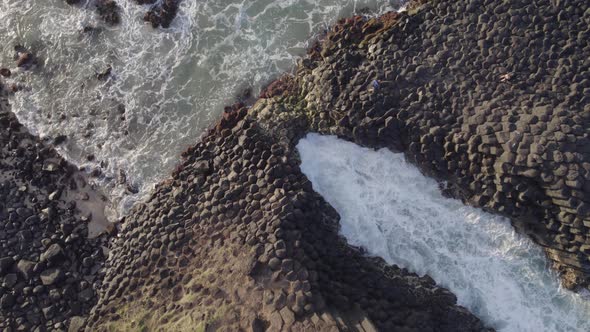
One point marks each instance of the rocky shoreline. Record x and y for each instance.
(53, 233)
(237, 239)
(491, 96)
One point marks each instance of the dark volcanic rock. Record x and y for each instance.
(43, 233)
(25, 59)
(7, 301)
(108, 10)
(5, 265)
(162, 13)
(473, 92)
(491, 96)
(53, 254)
(25, 268)
(51, 276)
(239, 230)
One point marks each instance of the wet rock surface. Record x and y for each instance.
(49, 269)
(492, 96)
(237, 238)
(474, 92)
(162, 13)
(24, 58)
(108, 11)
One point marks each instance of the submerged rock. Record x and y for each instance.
(108, 10)
(24, 59)
(102, 76)
(162, 13)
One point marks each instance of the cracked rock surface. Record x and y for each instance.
(491, 96)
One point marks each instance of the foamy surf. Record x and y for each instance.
(388, 207)
(166, 86)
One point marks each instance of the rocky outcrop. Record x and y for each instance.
(493, 96)
(237, 239)
(49, 268)
(108, 11)
(162, 14)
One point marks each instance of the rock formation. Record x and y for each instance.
(49, 268)
(161, 14)
(491, 96)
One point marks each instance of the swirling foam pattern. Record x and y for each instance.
(388, 207)
(172, 83)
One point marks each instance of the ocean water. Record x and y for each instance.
(388, 207)
(167, 85)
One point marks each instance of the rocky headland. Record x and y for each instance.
(492, 97)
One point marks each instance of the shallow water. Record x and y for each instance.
(172, 83)
(388, 207)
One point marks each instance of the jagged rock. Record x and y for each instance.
(10, 280)
(5, 265)
(108, 10)
(25, 268)
(53, 254)
(505, 125)
(7, 301)
(86, 295)
(39, 225)
(51, 276)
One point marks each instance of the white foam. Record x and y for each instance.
(391, 209)
(173, 82)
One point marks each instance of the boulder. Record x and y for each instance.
(7, 301)
(5, 265)
(5, 72)
(53, 254)
(25, 268)
(51, 276)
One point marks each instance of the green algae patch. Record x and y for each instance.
(136, 317)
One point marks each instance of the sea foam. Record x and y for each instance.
(388, 207)
(171, 83)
